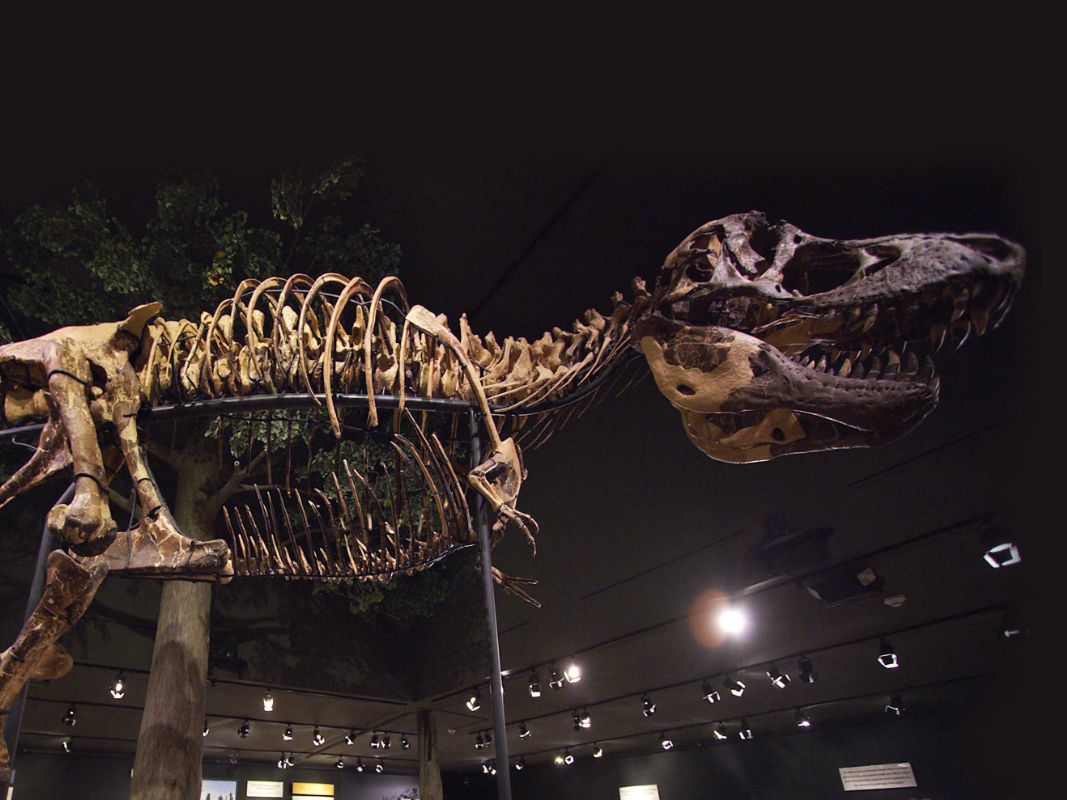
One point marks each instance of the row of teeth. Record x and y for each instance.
(884, 364)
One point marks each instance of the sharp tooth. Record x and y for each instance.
(999, 290)
(891, 370)
(853, 314)
(822, 364)
(893, 357)
(911, 365)
(865, 350)
(875, 370)
(935, 384)
(846, 367)
(929, 369)
(857, 372)
(937, 335)
(980, 318)
(871, 318)
(960, 333)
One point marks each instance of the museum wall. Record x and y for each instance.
(953, 756)
(42, 776)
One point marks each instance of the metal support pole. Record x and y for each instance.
(496, 682)
(13, 722)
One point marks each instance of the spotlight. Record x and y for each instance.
(719, 732)
(535, 685)
(568, 759)
(887, 655)
(118, 687)
(281, 761)
(69, 719)
(520, 765)
(207, 728)
(479, 742)
(648, 708)
(474, 702)
(243, 730)
(1004, 554)
(66, 744)
(732, 621)
(582, 720)
(895, 705)
(709, 693)
(666, 743)
(375, 743)
(524, 731)
(558, 760)
(803, 719)
(359, 765)
(386, 743)
(268, 701)
(488, 737)
(379, 766)
(807, 671)
(778, 678)
(489, 767)
(317, 738)
(350, 738)
(736, 688)
(234, 758)
(598, 751)
(340, 763)
(572, 672)
(404, 743)
(290, 760)
(1012, 627)
(555, 680)
(287, 734)
(745, 732)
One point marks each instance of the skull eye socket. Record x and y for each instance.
(819, 267)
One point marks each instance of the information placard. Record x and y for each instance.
(648, 791)
(312, 790)
(877, 776)
(265, 789)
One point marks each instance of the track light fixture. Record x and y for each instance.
(807, 671)
(404, 743)
(520, 765)
(386, 742)
(665, 742)
(719, 732)
(535, 685)
(207, 728)
(598, 751)
(474, 702)
(568, 759)
(1004, 554)
(1011, 627)
(648, 708)
(359, 764)
(290, 759)
(895, 705)
(379, 766)
(268, 701)
(489, 767)
(745, 732)
(234, 758)
(582, 720)
(572, 672)
(350, 738)
(803, 718)
(66, 744)
(735, 687)
(118, 687)
(887, 655)
(524, 731)
(340, 763)
(778, 678)
(555, 680)
(479, 742)
(282, 763)
(317, 738)
(488, 737)
(70, 718)
(558, 760)
(243, 730)
(374, 741)
(709, 692)
(287, 734)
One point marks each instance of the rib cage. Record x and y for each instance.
(356, 533)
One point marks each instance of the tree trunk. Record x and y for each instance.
(170, 743)
(429, 768)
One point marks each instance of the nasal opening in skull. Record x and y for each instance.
(820, 267)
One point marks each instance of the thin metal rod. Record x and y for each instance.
(496, 681)
(13, 723)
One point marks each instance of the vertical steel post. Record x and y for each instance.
(13, 722)
(496, 682)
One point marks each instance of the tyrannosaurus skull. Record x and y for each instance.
(770, 341)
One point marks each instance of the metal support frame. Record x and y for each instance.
(13, 722)
(496, 681)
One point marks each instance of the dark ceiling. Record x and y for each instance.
(636, 524)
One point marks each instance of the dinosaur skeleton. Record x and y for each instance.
(768, 340)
